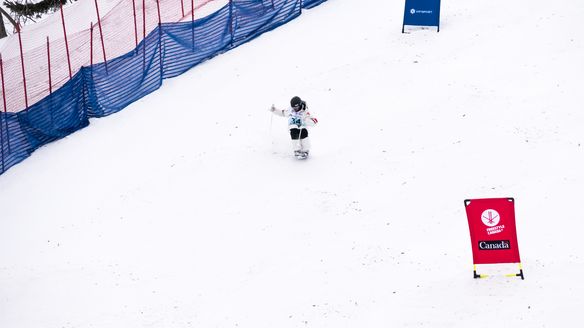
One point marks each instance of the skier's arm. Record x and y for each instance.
(279, 112)
(309, 120)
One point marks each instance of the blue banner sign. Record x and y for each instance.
(422, 13)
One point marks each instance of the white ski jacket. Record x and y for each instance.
(296, 120)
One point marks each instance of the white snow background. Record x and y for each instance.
(187, 208)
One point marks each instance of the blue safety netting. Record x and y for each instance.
(106, 88)
(311, 3)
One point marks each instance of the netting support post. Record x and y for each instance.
(159, 39)
(143, 35)
(231, 29)
(3, 88)
(66, 42)
(91, 46)
(5, 116)
(182, 8)
(135, 23)
(2, 145)
(49, 66)
(22, 65)
(50, 80)
(91, 83)
(193, 23)
(143, 19)
(158, 9)
(101, 34)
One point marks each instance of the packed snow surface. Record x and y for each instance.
(187, 209)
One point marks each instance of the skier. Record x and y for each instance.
(298, 120)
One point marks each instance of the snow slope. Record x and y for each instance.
(191, 212)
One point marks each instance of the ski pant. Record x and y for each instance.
(300, 139)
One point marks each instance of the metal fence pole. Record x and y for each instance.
(4, 101)
(49, 65)
(159, 39)
(3, 88)
(193, 23)
(135, 23)
(231, 20)
(91, 45)
(143, 19)
(22, 64)
(144, 35)
(158, 9)
(66, 42)
(101, 33)
(50, 81)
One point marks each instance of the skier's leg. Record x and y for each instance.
(304, 141)
(295, 135)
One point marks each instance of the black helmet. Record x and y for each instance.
(297, 104)
(295, 101)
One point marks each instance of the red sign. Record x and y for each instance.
(492, 230)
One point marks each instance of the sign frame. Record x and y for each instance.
(493, 232)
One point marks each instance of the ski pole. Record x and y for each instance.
(271, 119)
